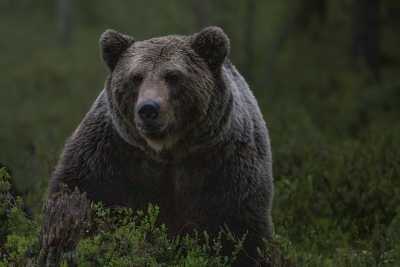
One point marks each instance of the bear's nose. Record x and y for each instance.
(149, 110)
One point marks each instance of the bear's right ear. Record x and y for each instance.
(112, 45)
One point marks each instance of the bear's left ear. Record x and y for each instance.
(112, 45)
(212, 44)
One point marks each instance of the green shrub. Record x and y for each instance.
(126, 239)
(117, 237)
(341, 201)
(18, 233)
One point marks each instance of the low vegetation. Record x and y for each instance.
(334, 206)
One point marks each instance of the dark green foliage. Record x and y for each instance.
(126, 239)
(345, 197)
(18, 234)
(115, 237)
(118, 237)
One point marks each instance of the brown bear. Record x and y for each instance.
(176, 125)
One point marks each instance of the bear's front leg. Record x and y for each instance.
(66, 217)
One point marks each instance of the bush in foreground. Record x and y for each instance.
(120, 237)
(114, 237)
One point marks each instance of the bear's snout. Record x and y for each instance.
(152, 108)
(150, 119)
(148, 111)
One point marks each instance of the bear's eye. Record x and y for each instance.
(173, 76)
(137, 78)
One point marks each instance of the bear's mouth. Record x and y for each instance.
(153, 131)
(156, 137)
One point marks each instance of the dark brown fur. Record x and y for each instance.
(210, 162)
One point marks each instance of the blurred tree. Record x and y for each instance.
(64, 12)
(367, 34)
(299, 16)
(249, 27)
(279, 40)
(201, 12)
(308, 10)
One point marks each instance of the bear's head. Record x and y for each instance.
(164, 89)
